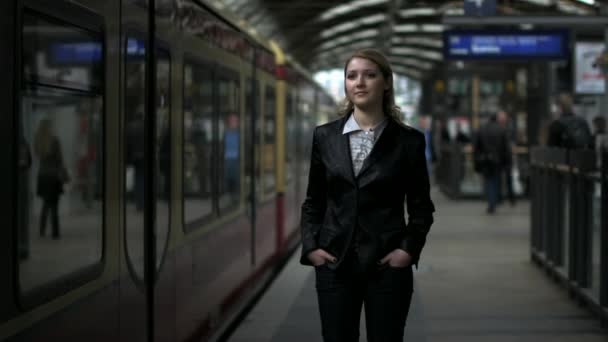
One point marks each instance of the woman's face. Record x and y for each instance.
(364, 83)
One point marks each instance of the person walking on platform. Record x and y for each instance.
(569, 131)
(364, 167)
(503, 119)
(492, 154)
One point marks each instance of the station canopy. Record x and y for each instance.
(320, 34)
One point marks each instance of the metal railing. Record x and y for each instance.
(569, 232)
(455, 175)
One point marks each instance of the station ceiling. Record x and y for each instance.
(320, 34)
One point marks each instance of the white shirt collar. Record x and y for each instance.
(352, 125)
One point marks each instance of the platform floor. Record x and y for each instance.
(476, 282)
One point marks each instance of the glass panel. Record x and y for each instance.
(229, 143)
(198, 142)
(163, 152)
(269, 139)
(60, 55)
(61, 203)
(134, 130)
(60, 197)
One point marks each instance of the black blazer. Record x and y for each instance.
(337, 201)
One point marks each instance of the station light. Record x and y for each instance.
(369, 20)
(409, 51)
(418, 12)
(345, 43)
(430, 28)
(347, 8)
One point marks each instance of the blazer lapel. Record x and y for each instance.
(342, 155)
(384, 142)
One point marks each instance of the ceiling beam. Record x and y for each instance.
(386, 32)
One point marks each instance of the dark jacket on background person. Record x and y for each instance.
(491, 148)
(338, 203)
(569, 131)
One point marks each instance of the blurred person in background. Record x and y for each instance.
(52, 174)
(506, 178)
(569, 130)
(491, 155)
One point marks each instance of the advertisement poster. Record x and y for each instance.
(588, 76)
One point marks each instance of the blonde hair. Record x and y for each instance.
(44, 138)
(389, 107)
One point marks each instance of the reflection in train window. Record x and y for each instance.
(229, 185)
(60, 164)
(269, 139)
(198, 142)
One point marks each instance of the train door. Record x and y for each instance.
(147, 308)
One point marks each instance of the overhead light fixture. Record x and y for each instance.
(569, 7)
(347, 8)
(430, 28)
(418, 40)
(541, 2)
(374, 19)
(409, 51)
(417, 12)
(347, 41)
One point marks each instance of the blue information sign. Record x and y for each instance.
(505, 45)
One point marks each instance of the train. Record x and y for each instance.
(156, 160)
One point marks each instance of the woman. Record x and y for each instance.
(51, 175)
(363, 167)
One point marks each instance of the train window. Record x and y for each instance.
(61, 177)
(71, 59)
(134, 104)
(198, 142)
(269, 140)
(229, 185)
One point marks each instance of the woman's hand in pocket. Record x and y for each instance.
(319, 257)
(397, 258)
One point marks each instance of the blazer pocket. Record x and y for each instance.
(391, 239)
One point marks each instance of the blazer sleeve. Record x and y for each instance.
(420, 208)
(314, 206)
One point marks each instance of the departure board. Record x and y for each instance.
(505, 45)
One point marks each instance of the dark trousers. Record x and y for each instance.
(385, 292)
(508, 180)
(50, 206)
(492, 188)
